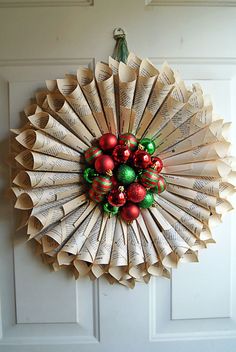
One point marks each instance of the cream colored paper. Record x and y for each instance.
(105, 82)
(39, 221)
(214, 151)
(34, 179)
(208, 185)
(88, 86)
(76, 99)
(192, 224)
(72, 247)
(165, 253)
(207, 135)
(183, 232)
(127, 82)
(193, 106)
(178, 245)
(212, 168)
(193, 209)
(161, 89)
(134, 61)
(119, 254)
(174, 103)
(192, 125)
(40, 142)
(36, 161)
(145, 81)
(58, 104)
(135, 252)
(51, 126)
(62, 231)
(202, 199)
(38, 196)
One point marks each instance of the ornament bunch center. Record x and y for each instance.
(122, 174)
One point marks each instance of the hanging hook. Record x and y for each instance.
(119, 33)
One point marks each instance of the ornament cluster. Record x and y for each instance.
(123, 175)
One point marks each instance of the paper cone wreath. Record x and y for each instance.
(122, 172)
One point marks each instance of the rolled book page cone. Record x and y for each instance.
(34, 179)
(146, 77)
(76, 99)
(37, 161)
(119, 254)
(40, 142)
(105, 82)
(168, 258)
(163, 86)
(127, 82)
(88, 85)
(52, 127)
(60, 106)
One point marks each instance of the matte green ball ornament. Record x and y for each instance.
(147, 201)
(110, 210)
(148, 145)
(125, 174)
(89, 174)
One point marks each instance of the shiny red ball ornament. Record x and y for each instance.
(156, 164)
(130, 212)
(121, 154)
(141, 159)
(104, 164)
(108, 141)
(128, 139)
(136, 192)
(117, 197)
(96, 197)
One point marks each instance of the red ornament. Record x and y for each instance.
(92, 154)
(121, 154)
(102, 184)
(117, 197)
(104, 164)
(96, 197)
(160, 186)
(136, 192)
(149, 178)
(114, 181)
(156, 164)
(130, 212)
(108, 141)
(141, 159)
(128, 139)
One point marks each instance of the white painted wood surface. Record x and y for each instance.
(44, 311)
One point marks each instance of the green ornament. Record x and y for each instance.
(110, 210)
(125, 174)
(147, 201)
(148, 145)
(160, 186)
(89, 174)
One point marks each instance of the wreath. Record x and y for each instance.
(122, 172)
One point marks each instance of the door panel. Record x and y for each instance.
(46, 311)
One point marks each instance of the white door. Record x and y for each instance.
(51, 312)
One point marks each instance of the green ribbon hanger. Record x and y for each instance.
(121, 51)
